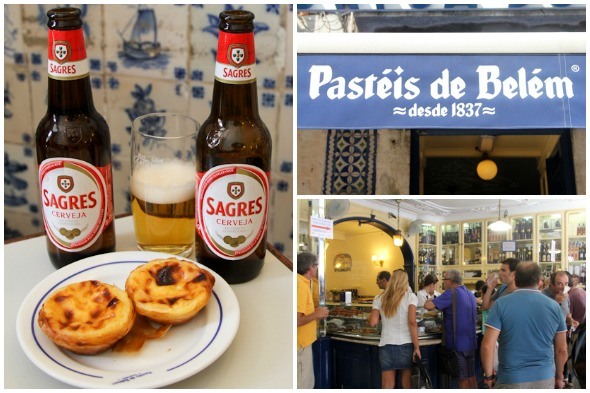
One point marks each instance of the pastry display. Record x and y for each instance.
(87, 317)
(169, 291)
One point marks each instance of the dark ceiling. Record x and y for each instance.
(508, 20)
(457, 176)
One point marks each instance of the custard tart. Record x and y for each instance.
(169, 291)
(87, 317)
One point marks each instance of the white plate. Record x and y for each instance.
(185, 350)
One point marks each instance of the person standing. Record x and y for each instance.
(428, 291)
(307, 315)
(577, 300)
(399, 344)
(556, 291)
(506, 275)
(382, 279)
(477, 292)
(465, 342)
(532, 335)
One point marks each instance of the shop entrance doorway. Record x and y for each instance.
(528, 162)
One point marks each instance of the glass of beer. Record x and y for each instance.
(163, 162)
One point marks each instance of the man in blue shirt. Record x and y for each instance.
(506, 276)
(465, 342)
(531, 334)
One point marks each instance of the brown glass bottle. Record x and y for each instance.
(233, 160)
(73, 151)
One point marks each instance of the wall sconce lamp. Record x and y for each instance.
(377, 261)
(398, 238)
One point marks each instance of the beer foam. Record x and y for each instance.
(171, 182)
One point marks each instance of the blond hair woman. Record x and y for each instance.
(399, 346)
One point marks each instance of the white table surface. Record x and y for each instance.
(261, 355)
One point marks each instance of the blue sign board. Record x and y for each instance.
(370, 91)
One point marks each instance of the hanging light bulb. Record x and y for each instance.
(487, 169)
(398, 238)
(500, 225)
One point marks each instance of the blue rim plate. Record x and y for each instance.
(183, 352)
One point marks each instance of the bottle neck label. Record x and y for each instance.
(231, 209)
(236, 59)
(76, 198)
(66, 58)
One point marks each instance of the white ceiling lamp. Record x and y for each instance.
(486, 168)
(500, 225)
(398, 238)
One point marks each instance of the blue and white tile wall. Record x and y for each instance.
(179, 79)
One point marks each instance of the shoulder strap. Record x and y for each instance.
(454, 319)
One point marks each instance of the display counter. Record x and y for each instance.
(352, 322)
(347, 353)
(342, 361)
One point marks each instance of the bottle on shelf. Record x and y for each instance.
(529, 229)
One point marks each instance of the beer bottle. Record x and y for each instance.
(233, 160)
(73, 151)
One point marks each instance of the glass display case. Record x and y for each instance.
(550, 247)
(423, 271)
(522, 234)
(450, 244)
(495, 254)
(427, 245)
(353, 319)
(576, 244)
(472, 243)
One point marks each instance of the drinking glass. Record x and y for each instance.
(163, 163)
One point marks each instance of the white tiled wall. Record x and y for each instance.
(180, 80)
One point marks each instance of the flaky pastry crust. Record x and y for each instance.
(87, 317)
(169, 291)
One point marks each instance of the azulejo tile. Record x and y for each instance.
(14, 47)
(279, 234)
(129, 98)
(147, 40)
(21, 191)
(283, 141)
(17, 106)
(350, 164)
(21, 224)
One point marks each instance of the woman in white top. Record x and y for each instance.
(428, 291)
(399, 346)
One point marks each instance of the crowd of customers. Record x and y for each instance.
(527, 325)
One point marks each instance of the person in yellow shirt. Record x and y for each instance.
(307, 315)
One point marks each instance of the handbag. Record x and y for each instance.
(446, 357)
(424, 381)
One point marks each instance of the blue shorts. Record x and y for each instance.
(396, 357)
(466, 361)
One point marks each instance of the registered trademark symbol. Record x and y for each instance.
(575, 68)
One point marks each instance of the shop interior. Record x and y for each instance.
(442, 234)
(422, 236)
